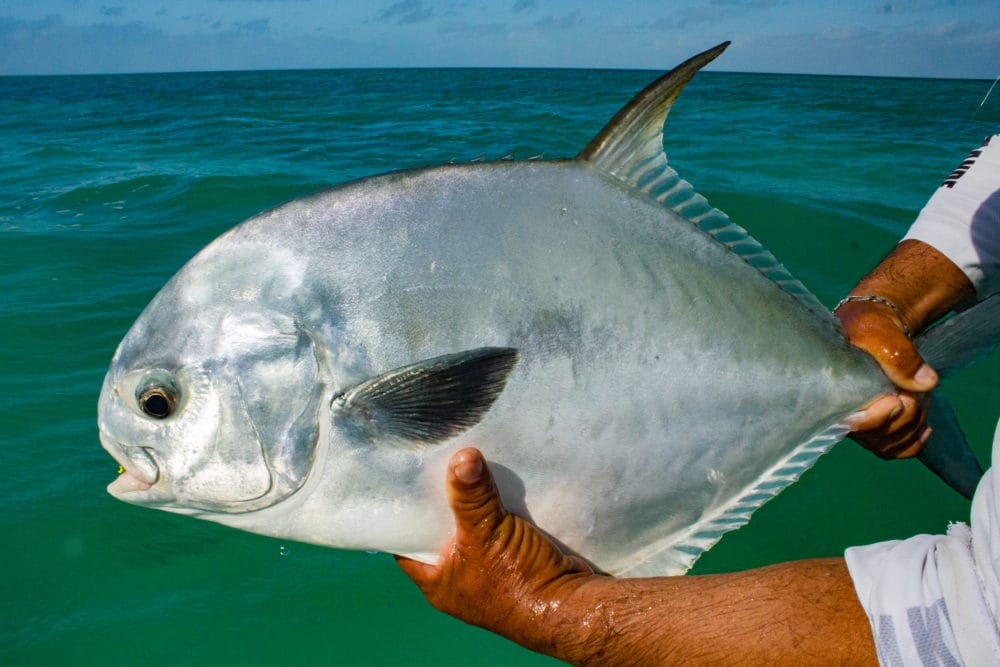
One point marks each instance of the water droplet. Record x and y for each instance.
(283, 551)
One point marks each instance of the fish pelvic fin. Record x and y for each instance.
(427, 402)
(630, 148)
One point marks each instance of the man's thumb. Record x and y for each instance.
(902, 364)
(473, 495)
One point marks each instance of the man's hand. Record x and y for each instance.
(893, 426)
(923, 285)
(502, 574)
(499, 572)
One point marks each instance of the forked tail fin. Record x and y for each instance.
(947, 347)
(962, 339)
(947, 453)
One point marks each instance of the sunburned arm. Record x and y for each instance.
(923, 285)
(501, 574)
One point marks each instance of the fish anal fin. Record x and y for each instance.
(676, 553)
(427, 402)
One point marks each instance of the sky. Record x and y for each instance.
(922, 38)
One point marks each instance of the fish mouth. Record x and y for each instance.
(138, 470)
(126, 482)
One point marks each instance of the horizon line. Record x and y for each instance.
(181, 72)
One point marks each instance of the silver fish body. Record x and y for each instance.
(661, 382)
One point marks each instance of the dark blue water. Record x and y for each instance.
(109, 184)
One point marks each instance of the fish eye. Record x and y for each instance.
(158, 402)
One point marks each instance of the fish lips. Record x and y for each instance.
(138, 481)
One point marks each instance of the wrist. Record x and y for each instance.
(920, 283)
(608, 621)
(555, 619)
(581, 622)
(861, 305)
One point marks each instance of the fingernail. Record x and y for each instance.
(896, 411)
(926, 375)
(853, 419)
(470, 470)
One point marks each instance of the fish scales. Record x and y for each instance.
(659, 387)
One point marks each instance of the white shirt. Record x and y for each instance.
(962, 218)
(935, 599)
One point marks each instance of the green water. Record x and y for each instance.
(109, 184)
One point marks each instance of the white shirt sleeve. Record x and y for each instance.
(962, 218)
(935, 599)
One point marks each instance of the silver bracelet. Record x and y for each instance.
(882, 300)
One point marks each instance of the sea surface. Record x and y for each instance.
(108, 184)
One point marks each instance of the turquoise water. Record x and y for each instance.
(109, 184)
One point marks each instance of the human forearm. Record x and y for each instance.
(922, 283)
(804, 612)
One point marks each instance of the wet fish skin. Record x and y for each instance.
(663, 380)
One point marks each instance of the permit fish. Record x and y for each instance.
(641, 374)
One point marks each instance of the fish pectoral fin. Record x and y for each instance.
(427, 402)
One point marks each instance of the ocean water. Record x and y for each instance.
(110, 183)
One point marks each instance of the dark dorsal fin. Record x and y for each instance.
(630, 148)
(636, 131)
(427, 402)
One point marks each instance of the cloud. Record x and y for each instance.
(944, 47)
(688, 17)
(963, 49)
(51, 45)
(56, 46)
(918, 6)
(461, 28)
(14, 27)
(254, 27)
(565, 22)
(716, 12)
(406, 12)
(752, 4)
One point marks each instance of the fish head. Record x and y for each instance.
(211, 408)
